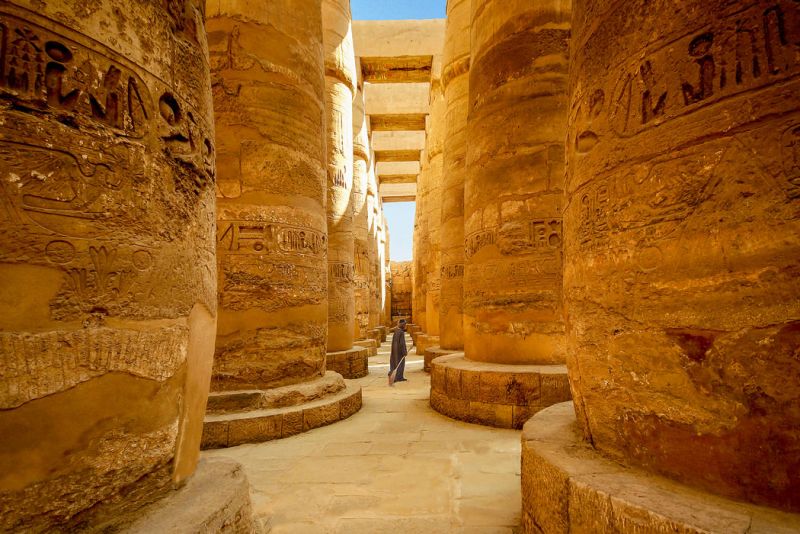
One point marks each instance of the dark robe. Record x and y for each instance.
(398, 351)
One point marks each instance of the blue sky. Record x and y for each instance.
(397, 9)
(400, 218)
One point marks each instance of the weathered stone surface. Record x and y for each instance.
(216, 499)
(455, 82)
(349, 363)
(433, 352)
(255, 426)
(494, 394)
(107, 280)
(514, 181)
(370, 344)
(340, 87)
(683, 238)
(364, 278)
(423, 342)
(262, 399)
(271, 233)
(402, 284)
(568, 487)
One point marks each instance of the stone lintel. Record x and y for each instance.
(407, 122)
(391, 199)
(504, 396)
(397, 69)
(567, 486)
(397, 155)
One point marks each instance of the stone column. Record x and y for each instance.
(271, 223)
(455, 80)
(374, 253)
(513, 315)
(421, 239)
(107, 306)
(683, 239)
(340, 87)
(386, 298)
(361, 217)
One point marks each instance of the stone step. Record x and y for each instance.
(221, 402)
(504, 396)
(230, 430)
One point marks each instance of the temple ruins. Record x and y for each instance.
(198, 300)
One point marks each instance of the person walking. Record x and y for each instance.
(397, 360)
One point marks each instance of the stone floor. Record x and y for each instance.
(396, 466)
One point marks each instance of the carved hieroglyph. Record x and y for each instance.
(271, 228)
(107, 280)
(513, 187)
(433, 207)
(340, 85)
(455, 81)
(682, 240)
(364, 274)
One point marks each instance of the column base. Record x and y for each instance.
(424, 341)
(375, 334)
(382, 329)
(567, 486)
(254, 416)
(369, 344)
(431, 353)
(350, 364)
(489, 394)
(215, 499)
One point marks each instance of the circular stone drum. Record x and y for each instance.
(108, 286)
(682, 240)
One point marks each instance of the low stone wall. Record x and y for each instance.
(504, 396)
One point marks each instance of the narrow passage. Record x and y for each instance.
(395, 466)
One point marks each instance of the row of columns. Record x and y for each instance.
(630, 208)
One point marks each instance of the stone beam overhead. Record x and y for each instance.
(397, 167)
(396, 155)
(397, 98)
(414, 140)
(389, 192)
(411, 198)
(398, 38)
(399, 179)
(404, 122)
(400, 69)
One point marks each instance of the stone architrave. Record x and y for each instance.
(683, 239)
(107, 280)
(512, 365)
(271, 227)
(364, 280)
(455, 81)
(340, 86)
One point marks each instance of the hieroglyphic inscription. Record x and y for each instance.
(262, 237)
(539, 235)
(452, 271)
(739, 52)
(477, 240)
(341, 272)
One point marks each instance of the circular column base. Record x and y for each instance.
(351, 363)
(254, 416)
(567, 486)
(369, 344)
(424, 341)
(503, 396)
(431, 353)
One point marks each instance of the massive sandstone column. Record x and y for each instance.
(340, 87)
(271, 223)
(513, 325)
(374, 253)
(455, 80)
(683, 241)
(107, 279)
(420, 246)
(361, 217)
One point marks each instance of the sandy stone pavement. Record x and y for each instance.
(396, 466)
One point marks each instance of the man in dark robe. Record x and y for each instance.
(399, 351)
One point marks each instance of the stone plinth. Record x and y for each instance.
(498, 395)
(240, 417)
(350, 363)
(423, 341)
(216, 499)
(568, 487)
(375, 334)
(683, 195)
(433, 352)
(370, 344)
(108, 301)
